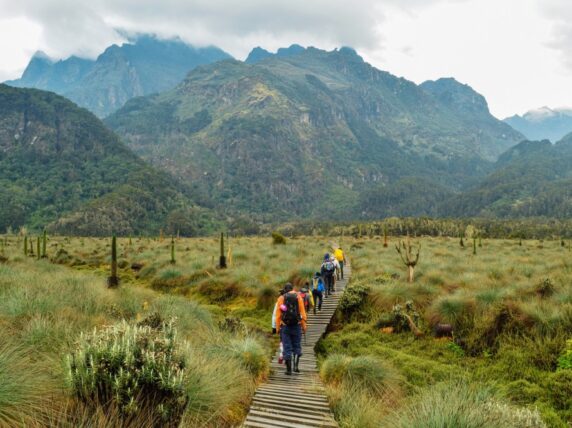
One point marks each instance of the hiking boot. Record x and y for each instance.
(296, 362)
(288, 367)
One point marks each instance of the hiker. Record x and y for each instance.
(275, 311)
(337, 268)
(318, 291)
(341, 258)
(306, 297)
(290, 323)
(327, 270)
(281, 355)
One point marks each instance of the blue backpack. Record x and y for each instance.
(320, 286)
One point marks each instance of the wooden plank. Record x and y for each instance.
(305, 405)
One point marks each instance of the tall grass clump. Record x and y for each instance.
(365, 372)
(360, 389)
(23, 387)
(250, 354)
(459, 405)
(267, 296)
(137, 369)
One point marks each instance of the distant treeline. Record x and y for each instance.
(418, 226)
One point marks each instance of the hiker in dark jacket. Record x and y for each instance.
(290, 323)
(328, 271)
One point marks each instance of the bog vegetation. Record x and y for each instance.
(480, 335)
(171, 340)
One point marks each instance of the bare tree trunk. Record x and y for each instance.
(414, 329)
(411, 273)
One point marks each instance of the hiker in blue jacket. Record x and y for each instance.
(318, 289)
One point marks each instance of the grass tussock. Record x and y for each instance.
(458, 405)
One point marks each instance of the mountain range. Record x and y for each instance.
(532, 179)
(302, 133)
(306, 132)
(143, 66)
(62, 168)
(543, 123)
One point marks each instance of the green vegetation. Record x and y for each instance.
(531, 179)
(66, 170)
(507, 359)
(76, 353)
(137, 369)
(345, 130)
(278, 238)
(506, 363)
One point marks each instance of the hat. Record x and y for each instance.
(304, 290)
(317, 275)
(288, 287)
(326, 256)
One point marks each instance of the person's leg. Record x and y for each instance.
(296, 335)
(315, 296)
(342, 269)
(288, 347)
(321, 297)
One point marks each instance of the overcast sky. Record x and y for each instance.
(518, 53)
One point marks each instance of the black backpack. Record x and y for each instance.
(292, 315)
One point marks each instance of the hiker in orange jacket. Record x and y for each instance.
(290, 323)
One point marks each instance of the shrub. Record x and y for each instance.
(61, 257)
(565, 360)
(135, 368)
(545, 288)
(353, 298)
(278, 238)
(559, 386)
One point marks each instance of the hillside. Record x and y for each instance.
(63, 168)
(532, 179)
(120, 73)
(306, 132)
(543, 124)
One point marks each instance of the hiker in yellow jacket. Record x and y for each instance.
(290, 323)
(341, 258)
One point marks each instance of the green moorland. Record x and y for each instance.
(56, 313)
(196, 339)
(509, 360)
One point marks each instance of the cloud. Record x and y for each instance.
(85, 28)
(560, 13)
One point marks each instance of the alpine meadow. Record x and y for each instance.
(216, 214)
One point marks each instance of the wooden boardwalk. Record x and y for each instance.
(299, 400)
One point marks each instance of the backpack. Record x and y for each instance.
(320, 286)
(291, 316)
(306, 299)
(329, 267)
